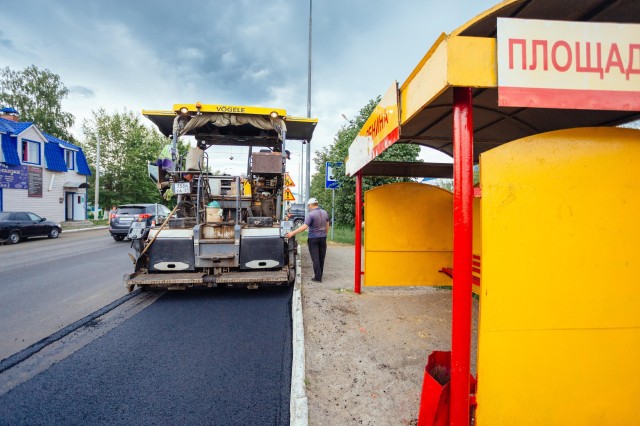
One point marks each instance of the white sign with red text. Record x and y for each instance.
(379, 132)
(569, 65)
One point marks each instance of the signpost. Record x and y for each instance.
(288, 195)
(288, 182)
(331, 182)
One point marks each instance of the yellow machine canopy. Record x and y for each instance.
(232, 125)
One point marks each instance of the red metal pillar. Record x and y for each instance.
(462, 254)
(358, 242)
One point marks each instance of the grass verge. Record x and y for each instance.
(341, 234)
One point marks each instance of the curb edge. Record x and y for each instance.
(298, 408)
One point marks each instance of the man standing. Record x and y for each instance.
(317, 222)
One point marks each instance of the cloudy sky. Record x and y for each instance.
(133, 54)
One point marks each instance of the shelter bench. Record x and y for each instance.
(475, 278)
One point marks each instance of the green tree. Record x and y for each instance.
(338, 151)
(37, 96)
(126, 147)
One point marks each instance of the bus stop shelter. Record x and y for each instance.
(556, 78)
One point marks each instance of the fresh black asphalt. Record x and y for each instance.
(219, 357)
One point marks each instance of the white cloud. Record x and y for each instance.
(191, 53)
(228, 58)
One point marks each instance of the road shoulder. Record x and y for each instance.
(365, 354)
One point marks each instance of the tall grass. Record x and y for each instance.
(343, 234)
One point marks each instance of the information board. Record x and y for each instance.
(35, 182)
(13, 177)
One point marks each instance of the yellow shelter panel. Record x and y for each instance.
(451, 61)
(408, 235)
(471, 61)
(477, 226)
(426, 82)
(559, 332)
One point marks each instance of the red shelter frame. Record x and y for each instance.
(462, 252)
(470, 78)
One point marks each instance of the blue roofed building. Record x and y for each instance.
(39, 172)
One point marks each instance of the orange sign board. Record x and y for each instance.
(288, 181)
(380, 131)
(288, 195)
(569, 65)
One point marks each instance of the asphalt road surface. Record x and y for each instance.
(47, 284)
(220, 357)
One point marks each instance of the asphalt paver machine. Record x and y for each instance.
(225, 230)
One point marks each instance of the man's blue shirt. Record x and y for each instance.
(317, 220)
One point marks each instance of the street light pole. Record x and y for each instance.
(301, 175)
(307, 180)
(97, 189)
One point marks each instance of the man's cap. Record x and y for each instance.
(312, 201)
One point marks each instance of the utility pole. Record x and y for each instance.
(301, 176)
(97, 189)
(307, 180)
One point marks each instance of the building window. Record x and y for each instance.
(69, 159)
(30, 152)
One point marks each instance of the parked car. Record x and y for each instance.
(16, 226)
(125, 214)
(296, 214)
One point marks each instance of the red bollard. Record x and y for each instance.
(435, 399)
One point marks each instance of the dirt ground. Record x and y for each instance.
(365, 354)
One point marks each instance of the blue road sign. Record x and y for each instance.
(331, 177)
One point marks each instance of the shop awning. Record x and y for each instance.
(75, 185)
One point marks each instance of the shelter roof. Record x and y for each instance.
(408, 169)
(467, 58)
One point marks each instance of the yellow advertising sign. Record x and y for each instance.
(568, 65)
(288, 181)
(380, 131)
(230, 109)
(288, 195)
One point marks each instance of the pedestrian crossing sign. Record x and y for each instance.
(288, 195)
(288, 181)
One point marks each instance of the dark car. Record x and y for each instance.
(121, 220)
(296, 214)
(16, 226)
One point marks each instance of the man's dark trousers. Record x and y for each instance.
(317, 250)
